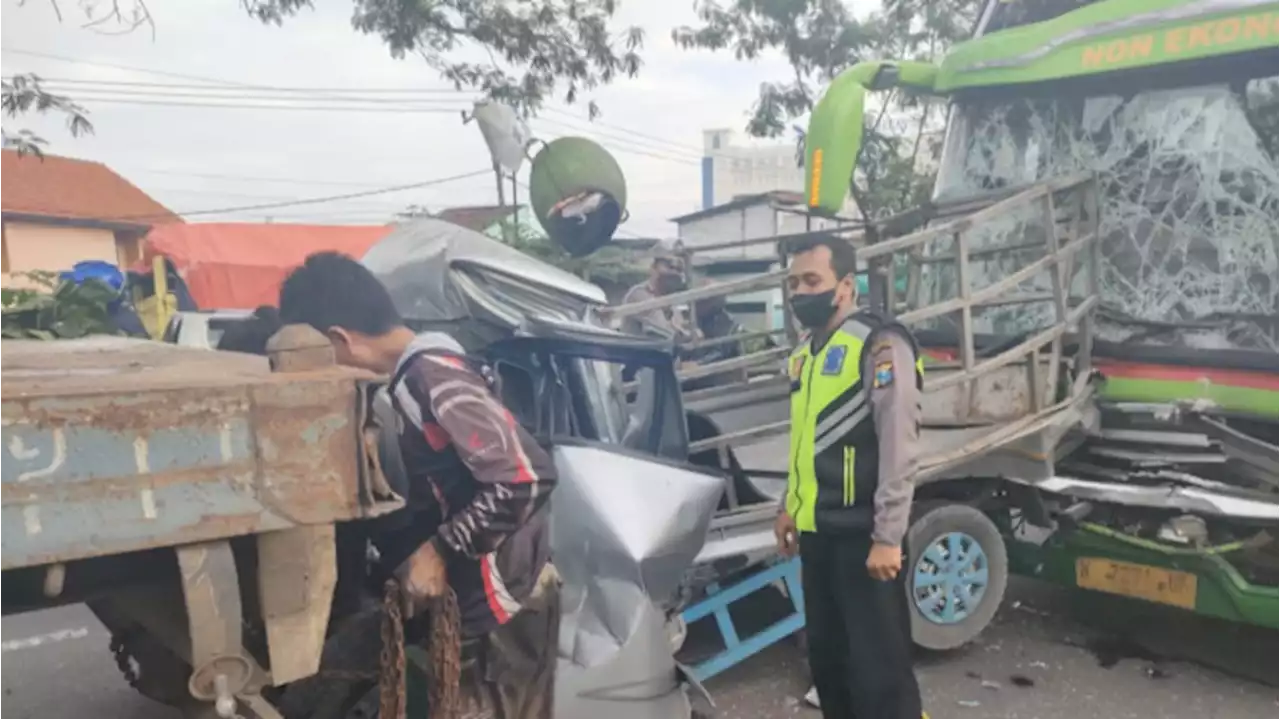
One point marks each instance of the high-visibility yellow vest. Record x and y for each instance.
(835, 456)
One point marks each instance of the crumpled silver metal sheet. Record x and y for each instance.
(624, 530)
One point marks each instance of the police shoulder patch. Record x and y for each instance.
(797, 367)
(883, 375)
(834, 360)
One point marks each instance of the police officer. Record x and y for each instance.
(855, 415)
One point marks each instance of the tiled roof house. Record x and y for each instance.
(57, 211)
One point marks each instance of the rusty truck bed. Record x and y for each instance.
(114, 445)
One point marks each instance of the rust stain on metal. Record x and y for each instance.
(207, 528)
(45, 491)
(305, 432)
(309, 459)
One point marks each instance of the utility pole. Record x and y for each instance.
(502, 198)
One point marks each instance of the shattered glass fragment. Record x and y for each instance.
(1189, 206)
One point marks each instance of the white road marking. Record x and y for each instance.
(61, 635)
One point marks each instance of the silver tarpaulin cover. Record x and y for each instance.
(438, 273)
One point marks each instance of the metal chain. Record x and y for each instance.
(391, 691)
(445, 649)
(124, 660)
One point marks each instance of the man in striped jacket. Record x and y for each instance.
(477, 510)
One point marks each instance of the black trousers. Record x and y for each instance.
(510, 673)
(859, 632)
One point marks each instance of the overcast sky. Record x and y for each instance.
(269, 155)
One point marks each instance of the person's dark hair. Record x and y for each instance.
(332, 290)
(843, 260)
(251, 335)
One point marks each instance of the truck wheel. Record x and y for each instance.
(957, 573)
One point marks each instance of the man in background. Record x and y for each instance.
(666, 277)
(715, 323)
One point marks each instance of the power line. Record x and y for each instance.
(621, 144)
(617, 145)
(224, 195)
(403, 94)
(434, 91)
(261, 106)
(221, 93)
(251, 178)
(231, 83)
(310, 200)
(631, 147)
(112, 89)
(600, 123)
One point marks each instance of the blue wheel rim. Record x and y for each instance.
(950, 578)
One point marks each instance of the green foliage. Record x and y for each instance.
(22, 94)
(535, 48)
(55, 309)
(821, 38)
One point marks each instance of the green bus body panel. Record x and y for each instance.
(831, 143)
(1108, 36)
(567, 166)
(834, 136)
(1259, 403)
(1220, 589)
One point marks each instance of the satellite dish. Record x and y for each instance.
(504, 132)
(578, 194)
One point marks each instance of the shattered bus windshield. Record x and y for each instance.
(1188, 199)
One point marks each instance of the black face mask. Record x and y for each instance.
(814, 310)
(669, 283)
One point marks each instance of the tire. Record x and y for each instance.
(937, 586)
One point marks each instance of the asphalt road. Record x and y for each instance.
(1050, 655)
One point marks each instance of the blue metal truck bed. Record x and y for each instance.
(114, 445)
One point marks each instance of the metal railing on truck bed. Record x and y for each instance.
(1032, 251)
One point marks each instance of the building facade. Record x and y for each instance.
(57, 211)
(730, 171)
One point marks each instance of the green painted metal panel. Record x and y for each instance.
(1108, 36)
(1221, 590)
(834, 136)
(1259, 403)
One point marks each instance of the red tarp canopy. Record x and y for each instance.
(240, 265)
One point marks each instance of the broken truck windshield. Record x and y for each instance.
(1188, 195)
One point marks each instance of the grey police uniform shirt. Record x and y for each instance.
(655, 322)
(896, 411)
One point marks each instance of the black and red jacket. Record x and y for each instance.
(478, 483)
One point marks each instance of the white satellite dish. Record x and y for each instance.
(504, 132)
